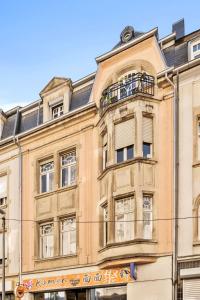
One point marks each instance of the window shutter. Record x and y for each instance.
(3, 186)
(124, 134)
(191, 289)
(147, 130)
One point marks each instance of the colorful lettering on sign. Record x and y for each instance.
(101, 277)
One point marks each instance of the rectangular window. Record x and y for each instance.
(68, 236)
(125, 140)
(3, 190)
(57, 111)
(111, 293)
(68, 168)
(46, 177)
(105, 151)
(147, 217)
(46, 240)
(105, 225)
(1, 246)
(147, 137)
(194, 49)
(124, 219)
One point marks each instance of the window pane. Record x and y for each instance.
(147, 217)
(111, 293)
(130, 152)
(64, 176)
(44, 183)
(120, 155)
(73, 174)
(146, 150)
(51, 176)
(195, 48)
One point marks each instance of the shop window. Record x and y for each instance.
(111, 293)
(105, 150)
(124, 140)
(147, 137)
(68, 168)
(46, 177)
(68, 236)
(124, 219)
(57, 111)
(46, 240)
(3, 190)
(147, 217)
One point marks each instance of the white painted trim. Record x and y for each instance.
(185, 273)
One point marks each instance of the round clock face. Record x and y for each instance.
(127, 34)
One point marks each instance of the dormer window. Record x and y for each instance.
(57, 111)
(194, 48)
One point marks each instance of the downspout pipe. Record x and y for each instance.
(175, 181)
(17, 143)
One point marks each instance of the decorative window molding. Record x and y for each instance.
(46, 176)
(68, 168)
(68, 236)
(124, 219)
(46, 240)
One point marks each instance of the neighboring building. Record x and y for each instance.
(96, 159)
(10, 202)
(187, 79)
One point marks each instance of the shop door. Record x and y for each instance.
(76, 295)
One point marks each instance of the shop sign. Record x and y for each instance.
(99, 278)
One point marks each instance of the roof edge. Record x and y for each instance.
(127, 45)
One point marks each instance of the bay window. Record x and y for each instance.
(125, 140)
(147, 137)
(124, 219)
(147, 217)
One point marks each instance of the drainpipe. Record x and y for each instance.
(175, 181)
(17, 143)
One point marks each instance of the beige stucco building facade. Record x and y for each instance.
(97, 178)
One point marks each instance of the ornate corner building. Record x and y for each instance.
(94, 177)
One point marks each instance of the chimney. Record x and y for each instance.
(179, 28)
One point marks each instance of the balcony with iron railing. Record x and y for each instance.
(139, 83)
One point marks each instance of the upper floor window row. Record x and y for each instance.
(67, 169)
(129, 84)
(57, 111)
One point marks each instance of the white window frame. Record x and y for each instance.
(44, 239)
(191, 45)
(124, 154)
(148, 210)
(47, 173)
(127, 222)
(63, 231)
(69, 166)
(105, 224)
(57, 110)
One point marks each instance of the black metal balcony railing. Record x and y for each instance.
(136, 83)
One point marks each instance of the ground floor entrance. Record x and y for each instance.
(101, 293)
